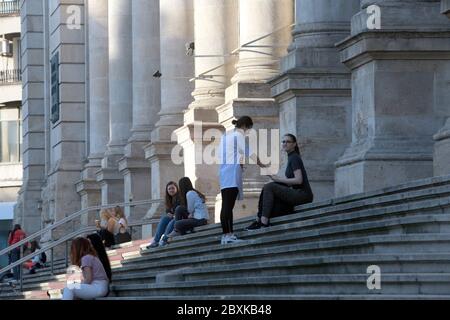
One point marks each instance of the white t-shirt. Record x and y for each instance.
(232, 150)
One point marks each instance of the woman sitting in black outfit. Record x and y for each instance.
(279, 197)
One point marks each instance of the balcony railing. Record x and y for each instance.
(9, 7)
(10, 76)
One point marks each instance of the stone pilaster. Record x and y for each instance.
(314, 89)
(27, 211)
(66, 132)
(400, 94)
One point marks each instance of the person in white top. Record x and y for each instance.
(232, 150)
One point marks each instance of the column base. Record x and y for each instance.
(378, 168)
(136, 179)
(441, 156)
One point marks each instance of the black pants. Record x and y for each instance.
(107, 237)
(276, 192)
(183, 223)
(279, 208)
(229, 196)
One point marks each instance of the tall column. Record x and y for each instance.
(264, 35)
(400, 94)
(314, 90)
(120, 97)
(26, 211)
(215, 28)
(441, 154)
(98, 106)
(176, 29)
(146, 102)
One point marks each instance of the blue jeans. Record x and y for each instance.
(15, 256)
(165, 226)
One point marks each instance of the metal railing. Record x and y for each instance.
(67, 237)
(9, 7)
(10, 76)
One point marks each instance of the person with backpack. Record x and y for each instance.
(39, 260)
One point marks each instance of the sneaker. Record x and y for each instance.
(254, 226)
(163, 243)
(152, 245)
(174, 233)
(230, 239)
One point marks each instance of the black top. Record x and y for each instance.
(294, 163)
(176, 203)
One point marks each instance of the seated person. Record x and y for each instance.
(167, 221)
(192, 204)
(284, 193)
(106, 227)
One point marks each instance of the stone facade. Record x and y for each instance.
(370, 106)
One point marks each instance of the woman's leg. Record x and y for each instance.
(229, 196)
(186, 224)
(96, 289)
(162, 225)
(181, 213)
(287, 196)
(169, 229)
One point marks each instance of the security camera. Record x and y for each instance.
(157, 74)
(190, 47)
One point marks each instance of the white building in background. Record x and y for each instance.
(10, 114)
(371, 107)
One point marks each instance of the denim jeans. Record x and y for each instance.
(165, 226)
(15, 256)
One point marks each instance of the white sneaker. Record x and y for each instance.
(230, 239)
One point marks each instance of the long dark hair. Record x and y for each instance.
(186, 186)
(97, 243)
(296, 150)
(16, 227)
(81, 247)
(243, 121)
(170, 201)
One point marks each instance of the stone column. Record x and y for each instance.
(314, 90)
(400, 76)
(146, 103)
(264, 34)
(97, 15)
(120, 97)
(215, 37)
(176, 29)
(441, 155)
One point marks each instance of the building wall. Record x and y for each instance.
(323, 84)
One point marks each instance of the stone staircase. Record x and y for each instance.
(320, 252)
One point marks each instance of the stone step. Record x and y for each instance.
(338, 264)
(334, 206)
(238, 253)
(401, 284)
(437, 206)
(295, 233)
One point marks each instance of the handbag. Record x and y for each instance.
(122, 237)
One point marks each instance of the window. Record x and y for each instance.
(54, 62)
(10, 135)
